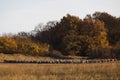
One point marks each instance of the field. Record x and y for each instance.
(93, 71)
(21, 57)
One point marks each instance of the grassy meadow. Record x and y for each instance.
(93, 71)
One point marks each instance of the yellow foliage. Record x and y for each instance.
(27, 46)
(7, 45)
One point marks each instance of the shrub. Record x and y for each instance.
(7, 45)
(116, 50)
(28, 47)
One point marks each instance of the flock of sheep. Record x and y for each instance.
(57, 61)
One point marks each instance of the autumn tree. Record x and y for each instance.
(65, 35)
(92, 36)
(111, 24)
(96, 36)
(8, 45)
(46, 33)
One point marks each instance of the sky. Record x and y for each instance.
(25, 15)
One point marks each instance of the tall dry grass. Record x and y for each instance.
(101, 71)
(20, 57)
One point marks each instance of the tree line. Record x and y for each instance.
(95, 36)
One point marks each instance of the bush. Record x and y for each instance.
(28, 47)
(116, 50)
(100, 53)
(7, 45)
(55, 54)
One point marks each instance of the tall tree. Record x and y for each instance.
(111, 24)
(66, 29)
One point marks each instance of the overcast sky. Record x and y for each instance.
(24, 15)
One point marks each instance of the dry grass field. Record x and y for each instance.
(93, 71)
(20, 57)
